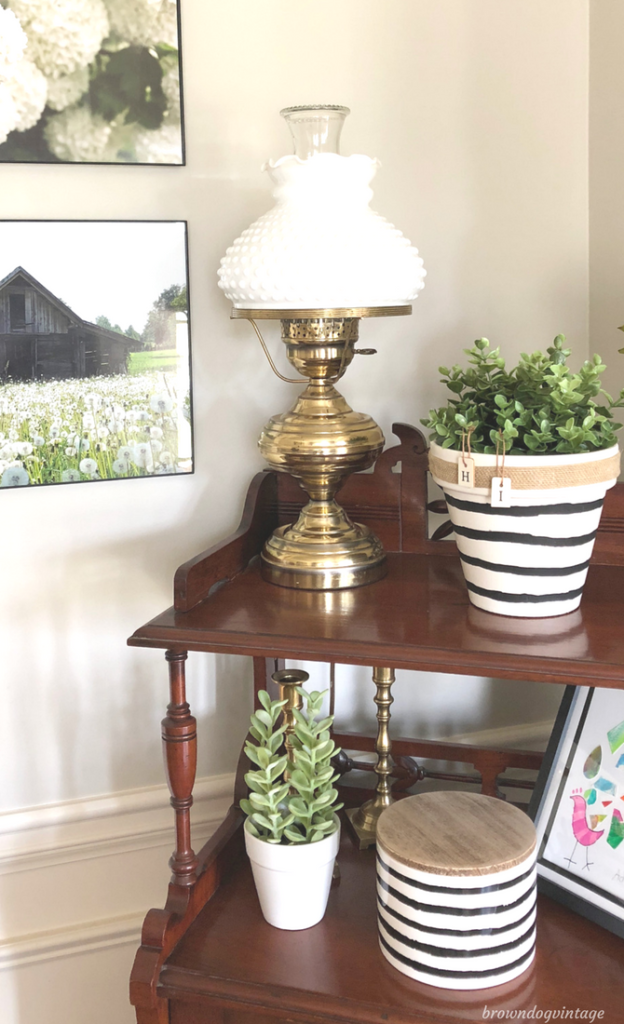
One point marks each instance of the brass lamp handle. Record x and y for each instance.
(289, 380)
(297, 380)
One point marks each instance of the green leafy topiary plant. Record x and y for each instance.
(301, 808)
(539, 407)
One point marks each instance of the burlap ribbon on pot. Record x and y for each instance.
(535, 478)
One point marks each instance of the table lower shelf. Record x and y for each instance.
(233, 968)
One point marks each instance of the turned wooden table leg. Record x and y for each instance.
(364, 818)
(179, 735)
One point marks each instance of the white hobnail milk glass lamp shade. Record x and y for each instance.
(321, 246)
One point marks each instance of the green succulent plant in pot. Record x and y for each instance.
(525, 457)
(292, 830)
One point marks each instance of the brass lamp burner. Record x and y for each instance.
(321, 441)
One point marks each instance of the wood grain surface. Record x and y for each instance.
(418, 617)
(231, 967)
(453, 833)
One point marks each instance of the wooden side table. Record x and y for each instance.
(208, 956)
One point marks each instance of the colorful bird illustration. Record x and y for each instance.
(583, 834)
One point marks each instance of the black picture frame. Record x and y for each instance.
(592, 895)
(153, 69)
(61, 353)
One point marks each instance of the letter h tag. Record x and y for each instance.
(466, 472)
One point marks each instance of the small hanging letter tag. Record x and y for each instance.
(501, 491)
(466, 472)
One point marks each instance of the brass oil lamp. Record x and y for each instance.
(320, 261)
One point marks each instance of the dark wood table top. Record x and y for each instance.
(337, 970)
(418, 617)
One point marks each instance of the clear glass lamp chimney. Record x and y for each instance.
(315, 129)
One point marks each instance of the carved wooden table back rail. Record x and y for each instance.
(418, 617)
(392, 500)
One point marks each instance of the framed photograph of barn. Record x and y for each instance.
(90, 81)
(95, 370)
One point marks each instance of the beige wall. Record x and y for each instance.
(606, 195)
(479, 114)
(478, 111)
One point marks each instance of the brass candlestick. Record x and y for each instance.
(364, 819)
(288, 680)
(321, 441)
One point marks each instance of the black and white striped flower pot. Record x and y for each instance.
(529, 559)
(456, 889)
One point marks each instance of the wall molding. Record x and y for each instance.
(71, 941)
(93, 827)
(94, 830)
(527, 736)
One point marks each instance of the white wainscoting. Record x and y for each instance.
(76, 880)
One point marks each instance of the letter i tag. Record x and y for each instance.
(501, 491)
(466, 472)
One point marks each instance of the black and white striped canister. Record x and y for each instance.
(473, 928)
(529, 558)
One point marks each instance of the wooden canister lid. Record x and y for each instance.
(455, 833)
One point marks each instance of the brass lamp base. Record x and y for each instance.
(321, 441)
(323, 550)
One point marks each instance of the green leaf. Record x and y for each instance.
(264, 756)
(281, 793)
(129, 81)
(166, 50)
(278, 767)
(261, 819)
(275, 741)
(259, 800)
(251, 749)
(264, 699)
(324, 799)
(294, 835)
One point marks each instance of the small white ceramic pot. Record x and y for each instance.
(293, 882)
(527, 556)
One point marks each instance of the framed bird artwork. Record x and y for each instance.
(578, 807)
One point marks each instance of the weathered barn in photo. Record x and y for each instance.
(41, 338)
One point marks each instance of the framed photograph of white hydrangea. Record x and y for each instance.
(90, 81)
(83, 398)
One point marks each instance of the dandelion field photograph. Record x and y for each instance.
(83, 398)
(90, 81)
